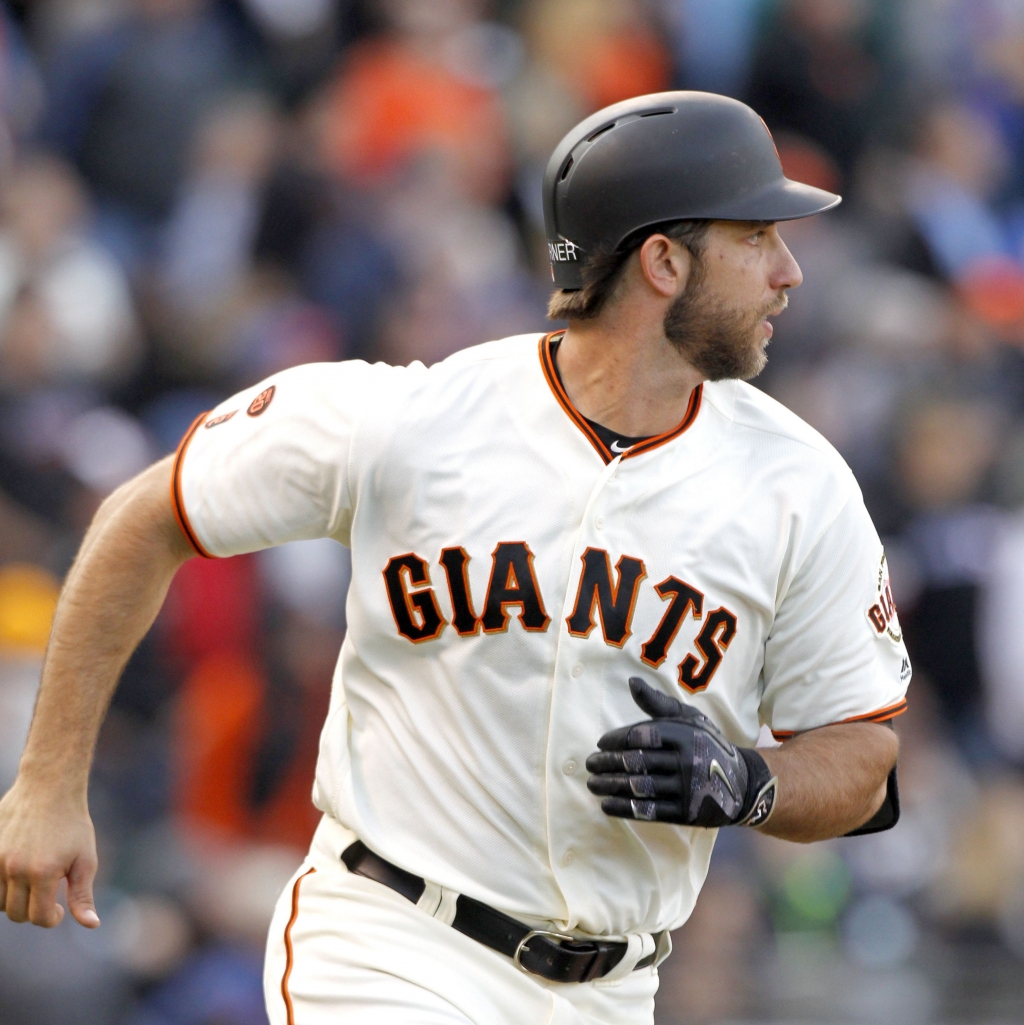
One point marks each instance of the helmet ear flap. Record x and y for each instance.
(566, 263)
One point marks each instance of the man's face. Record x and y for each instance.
(719, 322)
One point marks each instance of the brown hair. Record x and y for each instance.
(602, 269)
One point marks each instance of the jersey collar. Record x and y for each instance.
(547, 363)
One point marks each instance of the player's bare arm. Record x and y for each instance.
(110, 599)
(832, 780)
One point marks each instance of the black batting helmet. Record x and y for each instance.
(663, 157)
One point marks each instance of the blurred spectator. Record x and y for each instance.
(218, 985)
(406, 92)
(255, 688)
(713, 40)
(961, 162)
(28, 596)
(124, 104)
(462, 261)
(79, 457)
(601, 51)
(417, 108)
(1002, 641)
(819, 70)
(946, 450)
(21, 89)
(211, 231)
(328, 243)
(65, 309)
(725, 928)
(297, 42)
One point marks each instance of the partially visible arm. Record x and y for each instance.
(831, 780)
(111, 597)
(679, 767)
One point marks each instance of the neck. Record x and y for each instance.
(626, 377)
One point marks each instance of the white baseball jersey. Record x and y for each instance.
(510, 573)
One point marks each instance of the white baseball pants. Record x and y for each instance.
(343, 948)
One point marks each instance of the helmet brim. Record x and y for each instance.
(783, 200)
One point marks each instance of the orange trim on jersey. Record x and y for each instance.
(289, 952)
(692, 409)
(881, 715)
(176, 499)
(547, 363)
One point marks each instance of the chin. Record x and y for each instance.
(758, 359)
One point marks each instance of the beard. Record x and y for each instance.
(717, 340)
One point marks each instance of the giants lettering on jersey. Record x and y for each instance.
(513, 591)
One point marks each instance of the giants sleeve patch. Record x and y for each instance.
(882, 614)
(260, 403)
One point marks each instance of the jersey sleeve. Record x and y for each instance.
(835, 652)
(270, 465)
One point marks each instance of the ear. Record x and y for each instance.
(665, 265)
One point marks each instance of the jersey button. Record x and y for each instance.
(599, 522)
(577, 669)
(569, 767)
(568, 857)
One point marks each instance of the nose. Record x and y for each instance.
(785, 272)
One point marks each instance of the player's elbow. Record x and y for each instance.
(876, 787)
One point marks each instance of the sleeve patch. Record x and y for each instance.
(260, 403)
(882, 614)
(223, 418)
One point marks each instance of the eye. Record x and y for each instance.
(756, 237)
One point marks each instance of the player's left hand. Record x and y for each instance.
(678, 767)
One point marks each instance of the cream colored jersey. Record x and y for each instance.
(510, 573)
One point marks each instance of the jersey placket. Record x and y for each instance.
(574, 725)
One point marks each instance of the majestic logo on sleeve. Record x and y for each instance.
(260, 403)
(882, 615)
(222, 419)
(603, 596)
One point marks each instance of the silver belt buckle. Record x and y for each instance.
(550, 934)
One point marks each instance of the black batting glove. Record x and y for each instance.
(679, 767)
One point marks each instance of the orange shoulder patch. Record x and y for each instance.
(260, 403)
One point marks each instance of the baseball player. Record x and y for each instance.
(587, 567)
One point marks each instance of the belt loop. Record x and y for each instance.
(639, 945)
(438, 902)
(431, 898)
(446, 908)
(664, 946)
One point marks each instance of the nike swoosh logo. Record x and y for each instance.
(717, 770)
(616, 447)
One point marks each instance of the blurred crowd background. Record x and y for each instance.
(197, 193)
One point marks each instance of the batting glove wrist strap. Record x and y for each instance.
(762, 789)
(678, 767)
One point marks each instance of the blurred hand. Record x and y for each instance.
(44, 838)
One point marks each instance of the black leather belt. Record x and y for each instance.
(551, 955)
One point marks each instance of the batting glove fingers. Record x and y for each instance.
(678, 767)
